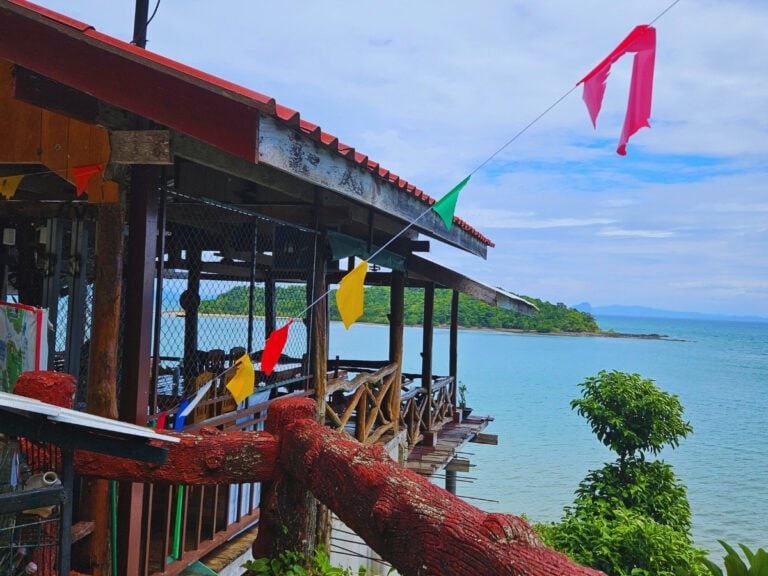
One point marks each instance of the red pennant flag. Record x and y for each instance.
(82, 176)
(273, 348)
(642, 41)
(161, 421)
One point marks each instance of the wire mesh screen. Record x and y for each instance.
(229, 278)
(74, 301)
(29, 539)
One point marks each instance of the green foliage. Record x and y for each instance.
(623, 542)
(735, 566)
(631, 517)
(289, 300)
(294, 563)
(472, 313)
(630, 414)
(647, 488)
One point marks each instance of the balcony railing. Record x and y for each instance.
(183, 524)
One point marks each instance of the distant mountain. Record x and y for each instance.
(646, 312)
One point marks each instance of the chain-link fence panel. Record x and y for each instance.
(229, 278)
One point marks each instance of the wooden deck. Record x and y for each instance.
(427, 460)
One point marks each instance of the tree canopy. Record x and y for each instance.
(291, 300)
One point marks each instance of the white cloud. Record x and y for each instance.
(623, 233)
(431, 89)
(488, 218)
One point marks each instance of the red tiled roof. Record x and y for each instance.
(234, 110)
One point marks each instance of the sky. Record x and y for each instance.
(431, 89)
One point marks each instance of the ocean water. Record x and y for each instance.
(526, 382)
(718, 369)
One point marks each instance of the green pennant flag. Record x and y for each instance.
(446, 206)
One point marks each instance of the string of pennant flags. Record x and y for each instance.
(350, 295)
(81, 176)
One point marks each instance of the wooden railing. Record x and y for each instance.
(362, 407)
(422, 412)
(184, 523)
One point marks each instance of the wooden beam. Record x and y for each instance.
(428, 270)
(458, 465)
(140, 147)
(481, 438)
(419, 245)
(296, 154)
(36, 89)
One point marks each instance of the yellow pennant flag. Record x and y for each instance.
(241, 385)
(351, 294)
(8, 185)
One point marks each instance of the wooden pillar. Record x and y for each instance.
(134, 396)
(77, 295)
(270, 306)
(319, 331)
(190, 302)
(319, 355)
(54, 242)
(450, 481)
(453, 352)
(396, 330)
(288, 511)
(139, 283)
(103, 371)
(426, 349)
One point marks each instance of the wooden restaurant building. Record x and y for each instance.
(148, 188)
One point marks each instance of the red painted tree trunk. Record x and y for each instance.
(207, 457)
(419, 528)
(416, 526)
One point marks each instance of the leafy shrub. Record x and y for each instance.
(631, 517)
(294, 563)
(735, 566)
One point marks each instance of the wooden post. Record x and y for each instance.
(270, 306)
(453, 355)
(396, 329)
(426, 350)
(319, 351)
(103, 371)
(287, 515)
(450, 481)
(190, 302)
(137, 350)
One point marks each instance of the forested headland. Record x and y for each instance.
(291, 300)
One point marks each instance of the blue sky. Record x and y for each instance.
(431, 89)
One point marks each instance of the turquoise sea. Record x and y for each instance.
(719, 369)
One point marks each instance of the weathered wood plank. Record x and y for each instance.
(428, 270)
(55, 142)
(458, 465)
(492, 439)
(140, 147)
(291, 152)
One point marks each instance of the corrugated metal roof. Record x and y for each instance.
(73, 417)
(232, 132)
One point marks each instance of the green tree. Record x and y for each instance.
(632, 516)
(630, 415)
